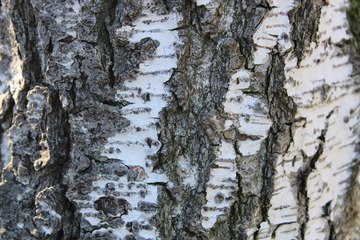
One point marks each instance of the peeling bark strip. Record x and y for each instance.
(137, 144)
(249, 115)
(328, 100)
(273, 35)
(195, 119)
(323, 157)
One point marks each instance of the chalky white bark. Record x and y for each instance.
(323, 90)
(326, 67)
(123, 198)
(136, 145)
(273, 34)
(221, 186)
(249, 114)
(203, 2)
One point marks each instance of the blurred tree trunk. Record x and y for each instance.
(166, 119)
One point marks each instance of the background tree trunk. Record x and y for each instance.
(165, 119)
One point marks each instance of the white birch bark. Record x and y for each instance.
(199, 119)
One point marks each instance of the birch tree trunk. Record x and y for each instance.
(165, 119)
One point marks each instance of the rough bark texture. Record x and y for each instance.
(166, 119)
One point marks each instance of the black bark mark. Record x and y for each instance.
(305, 20)
(105, 18)
(25, 23)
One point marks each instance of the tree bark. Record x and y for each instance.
(165, 119)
